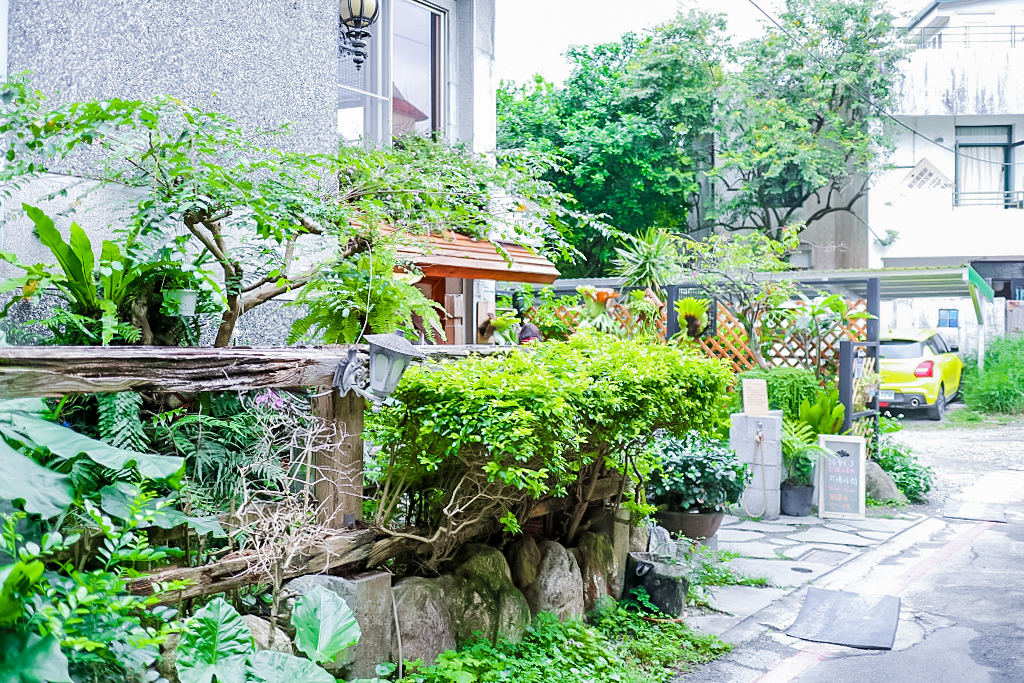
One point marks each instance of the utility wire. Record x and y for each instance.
(867, 98)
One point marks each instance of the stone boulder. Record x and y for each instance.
(261, 634)
(168, 652)
(368, 595)
(879, 485)
(523, 559)
(639, 539)
(559, 584)
(661, 542)
(489, 603)
(599, 568)
(425, 627)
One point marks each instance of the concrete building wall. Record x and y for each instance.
(922, 313)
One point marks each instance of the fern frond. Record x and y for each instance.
(119, 423)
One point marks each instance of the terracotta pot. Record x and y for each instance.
(796, 501)
(692, 524)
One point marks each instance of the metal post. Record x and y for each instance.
(846, 383)
(874, 329)
(671, 319)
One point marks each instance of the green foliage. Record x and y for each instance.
(544, 314)
(825, 415)
(708, 569)
(1000, 388)
(806, 323)
(214, 643)
(31, 658)
(910, 476)
(693, 316)
(40, 490)
(800, 451)
(119, 423)
(324, 625)
(530, 424)
(791, 129)
(625, 124)
(696, 472)
(277, 667)
(787, 387)
(649, 259)
(360, 294)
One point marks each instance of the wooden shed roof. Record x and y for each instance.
(455, 255)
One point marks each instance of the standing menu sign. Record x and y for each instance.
(841, 476)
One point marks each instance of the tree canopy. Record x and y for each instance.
(679, 129)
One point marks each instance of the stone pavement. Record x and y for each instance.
(790, 552)
(960, 582)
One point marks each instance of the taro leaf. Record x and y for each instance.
(215, 643)
(67, 444)
(279, 667)
(30, 658)
(43, 491)
(17, 580)
(324, 625)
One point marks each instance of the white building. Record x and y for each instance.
(956, 193)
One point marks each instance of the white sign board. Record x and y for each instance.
(841, 476)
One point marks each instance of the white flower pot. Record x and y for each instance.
(182, 301)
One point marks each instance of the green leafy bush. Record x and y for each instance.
(910, 476)
(787, 387)
(533, 423)
(799, 452)
(825, 415)
(697, 473)
(1000, 388)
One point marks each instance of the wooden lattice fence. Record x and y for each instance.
(787, 348)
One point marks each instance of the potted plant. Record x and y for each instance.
(697, 480)
(799, 455)
(180, 293)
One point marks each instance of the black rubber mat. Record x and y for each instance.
(867, 622)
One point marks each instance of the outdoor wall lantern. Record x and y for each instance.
(390, 355)
(356, 17)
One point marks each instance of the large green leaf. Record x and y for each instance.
(30, 658)
(324, 625)
(116, 500)
(79, 280)
(43, 491)
(278, 667)
(67, 444)
(16, 581)
(216, 642)
(82, 248)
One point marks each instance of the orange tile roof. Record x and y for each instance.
(455, 255)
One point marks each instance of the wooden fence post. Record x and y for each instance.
(338, 468)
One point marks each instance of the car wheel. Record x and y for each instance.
(936, 411)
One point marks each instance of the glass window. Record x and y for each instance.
(949, 317)
(416, 97)
(938, 345)
(982, 165)
(902, 349)
(363, 93)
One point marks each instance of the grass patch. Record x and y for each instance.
(1000, 388)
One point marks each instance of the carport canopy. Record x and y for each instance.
(897, 283)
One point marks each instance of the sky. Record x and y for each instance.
(532, 35)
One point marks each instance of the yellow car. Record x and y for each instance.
(918, 371)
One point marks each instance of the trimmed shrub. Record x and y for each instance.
(787, 388)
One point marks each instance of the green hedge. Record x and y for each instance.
(1000, 388)
(530, 421)
(787, 388)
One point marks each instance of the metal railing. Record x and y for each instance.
(937, 38)
(1012, 199)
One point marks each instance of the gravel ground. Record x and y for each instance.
(960, 453)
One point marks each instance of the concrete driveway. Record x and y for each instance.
(961, 582)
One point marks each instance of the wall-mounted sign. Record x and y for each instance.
(755, 397)
(841, 476)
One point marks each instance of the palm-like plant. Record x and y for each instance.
(650, 259)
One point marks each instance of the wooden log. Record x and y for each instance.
(234, 571)
(338, 470)
(607, 486)
(54, 371)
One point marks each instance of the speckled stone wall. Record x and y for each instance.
(265, 62)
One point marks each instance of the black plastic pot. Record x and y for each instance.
(796, 501)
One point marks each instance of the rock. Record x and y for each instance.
(368, 595)
(639, 539)
(165, 664)
(483, 600)
(666, 584)
(261, 634)
(559, 584)
(598, 568)
(424, 624)
(523, 559)
(661, 542)
(616, 525)
(879, 485)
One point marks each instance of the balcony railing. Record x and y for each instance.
(1012, 199)
(937, 38)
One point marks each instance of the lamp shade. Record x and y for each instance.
(390, 355)
(359, 14)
